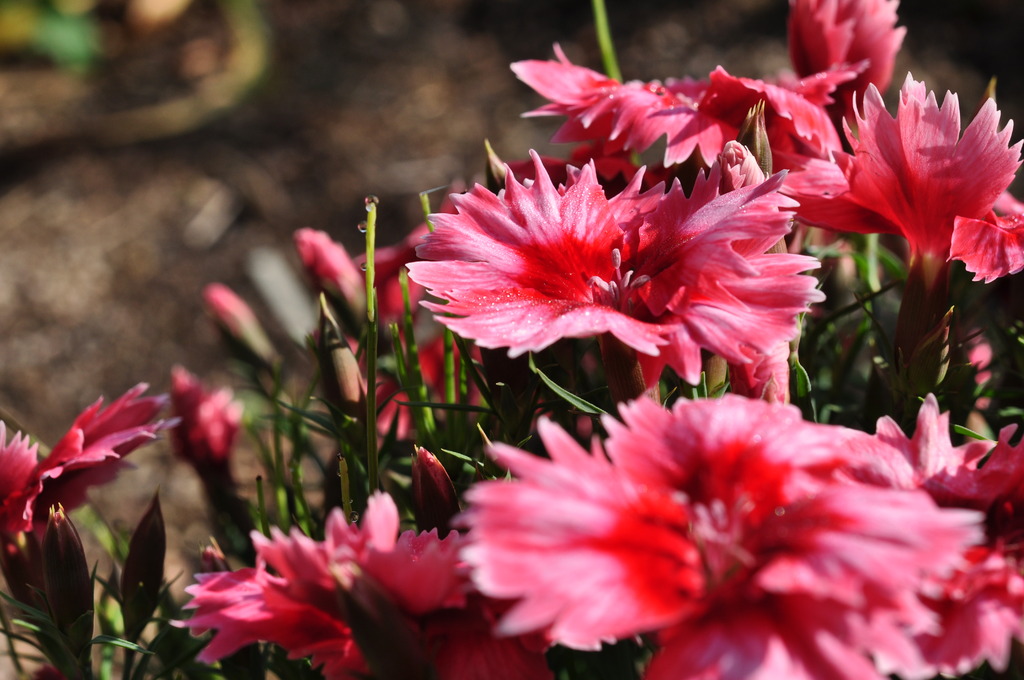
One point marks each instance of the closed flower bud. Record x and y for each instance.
(143, 573)
(380, 629)
(238, 322)
(928, 362)
(754, 136)
(340, 376)
(22, 566)
(330, 268)
(739, 167)
(212, 559)
(433, 494)
(69, 588)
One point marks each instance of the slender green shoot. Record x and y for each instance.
(346, 485)
(261, 507)
(604, 40)
(372, 473)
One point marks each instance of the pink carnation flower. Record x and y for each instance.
(916, 176)
(980, 606)
(695, 116)
(858, 34)
(89, 454)
(208, 424)
(665, 274)
(20, 483)
(722, 527)
(292, 598)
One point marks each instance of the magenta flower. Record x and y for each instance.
(916, 176)
(208, 423)
(991, 247)
(20, 483)
(292, 598)
(665, 274)
(722, 527)
(980, 605)
(89, 454)
(857, 34)
(695, 116)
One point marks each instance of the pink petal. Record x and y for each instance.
(990, 248)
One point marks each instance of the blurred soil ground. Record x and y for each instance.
(107, 239)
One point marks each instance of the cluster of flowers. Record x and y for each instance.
(732, 535)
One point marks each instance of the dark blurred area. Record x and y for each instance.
(149, 147)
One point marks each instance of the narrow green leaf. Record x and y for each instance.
(118, 642)
(960, 429)
(580, 403)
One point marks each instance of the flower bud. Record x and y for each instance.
(212, 559)
(48, 673)
(739, 167)
(929, 361)
(340, 377)
(754, 136)
(22, 564)
(433, 494)
(496, 170)
(380, 629)
(330, 268)
(67, 580)
(239, 324)
(143, 573)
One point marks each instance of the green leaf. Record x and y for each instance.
(580, 403)
(118, 642)
(960, 429)
(803, 381)
(445, 406)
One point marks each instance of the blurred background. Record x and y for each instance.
(149, 147)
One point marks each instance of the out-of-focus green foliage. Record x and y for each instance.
(64, 31)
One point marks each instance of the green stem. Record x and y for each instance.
(622, 370)
(346, 486)
(871, 254)
(604, 40)
(450, 391)
(261, 507)
(371, 346)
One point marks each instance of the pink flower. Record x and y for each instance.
(829, 34)
(990, 247)
(20, 482)
(89, 454)
(208, 424)
(722, 527)
(665, 274)
(981, 604)
(330, 267)
(914, 175)
(292, 598)
(766, 376)
(695, 116)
